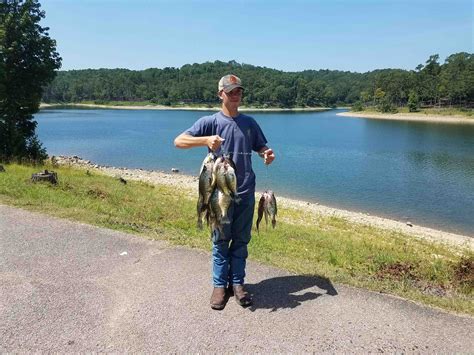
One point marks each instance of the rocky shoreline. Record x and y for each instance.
(189, 183)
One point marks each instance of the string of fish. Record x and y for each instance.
(267, 205)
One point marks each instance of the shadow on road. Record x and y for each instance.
(285, 292)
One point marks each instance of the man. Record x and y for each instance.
(230, 132)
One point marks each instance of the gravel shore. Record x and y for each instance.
(409, 117)
(190, 183)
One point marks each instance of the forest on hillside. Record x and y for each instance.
(430, 84)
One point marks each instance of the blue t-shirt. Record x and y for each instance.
(242, 135)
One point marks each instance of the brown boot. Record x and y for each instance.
(218, 299)
(241, 296)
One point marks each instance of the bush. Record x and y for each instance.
(357, 106)
(165, 102)
(385, 106)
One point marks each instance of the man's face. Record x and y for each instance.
(232, 97)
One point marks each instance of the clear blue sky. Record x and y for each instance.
(290, 35)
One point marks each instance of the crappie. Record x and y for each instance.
(218, 175)
(231, 181)
(205, 186)
(231, 178)
(267, 207)
(224, 176)
(219, 205)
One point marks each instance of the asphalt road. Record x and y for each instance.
(70, 287)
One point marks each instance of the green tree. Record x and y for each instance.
(365, 97)
(386, 106)
(413, 102)
(429, 80)
(357, 106)
(28, 60)
(379, 94)
(457, 78)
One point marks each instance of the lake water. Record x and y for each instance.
(422, 172)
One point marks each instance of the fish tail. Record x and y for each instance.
(208, 216)
(260, 212)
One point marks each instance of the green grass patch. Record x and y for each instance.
(302, 243)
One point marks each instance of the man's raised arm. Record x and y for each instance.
(185, 141)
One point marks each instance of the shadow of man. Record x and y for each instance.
(279, 292)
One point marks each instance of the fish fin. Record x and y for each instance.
(199, 212)
(208, 216)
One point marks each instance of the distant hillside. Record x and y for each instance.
(450, 83)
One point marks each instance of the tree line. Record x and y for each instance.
(429, 84)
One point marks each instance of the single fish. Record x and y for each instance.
(231, 178)
(218, 175)
(231, 181)
(224, 176)
(267, 206)
(205, 187)
(205, 177)
(219, 205)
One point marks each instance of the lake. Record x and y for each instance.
(422, 172)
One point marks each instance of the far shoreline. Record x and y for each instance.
(185, 108)
(189, 183)
(410, 117)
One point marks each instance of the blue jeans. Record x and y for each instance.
(229, 250)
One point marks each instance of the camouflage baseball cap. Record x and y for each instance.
(230, 82)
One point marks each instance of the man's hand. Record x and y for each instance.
(214, 142)
(268, 156)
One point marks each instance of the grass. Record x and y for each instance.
(302, 243)
(446, 111)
